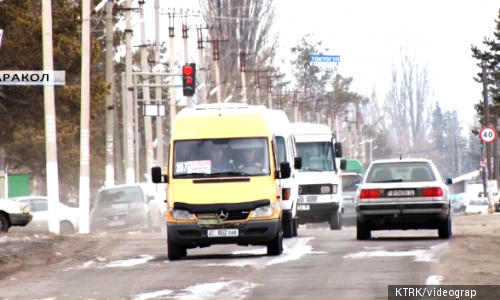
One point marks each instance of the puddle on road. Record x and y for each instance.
(216, 290)
(293, 250)
(420, 254)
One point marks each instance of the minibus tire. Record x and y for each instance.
(275, 247)
(295, 227)
(175, 252)
(288, 228)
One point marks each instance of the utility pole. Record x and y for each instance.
(216, 59)
(496, 164)
(159, 119)
(486, 111)
(110, 105)
(202, 66)
(243, 65)
(173, 99)
(130, 96)
(85, 123)
(318, 108)
(270, 87)
(185, 28)
(50, 121)
(148, 129)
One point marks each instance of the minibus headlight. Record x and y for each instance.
(326, 189)
(26, 210)
(180, 214)
(265, 211)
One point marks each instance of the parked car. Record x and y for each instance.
(402, 194)
(13, 213)
(128, 207)
(350, 183)
(478, 205)
(68, 216)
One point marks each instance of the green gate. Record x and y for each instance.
(19, 185)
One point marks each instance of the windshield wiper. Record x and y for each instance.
(387, 181)
(191, 175)
(229, 173)
(313, 170)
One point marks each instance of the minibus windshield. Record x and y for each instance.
(221, 157)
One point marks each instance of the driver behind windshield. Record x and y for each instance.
(249, 159)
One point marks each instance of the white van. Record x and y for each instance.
(287, 152)
(320, 188)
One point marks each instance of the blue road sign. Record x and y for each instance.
(321, 60)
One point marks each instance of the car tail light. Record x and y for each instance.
(369, 194)
(432, 192)
(286, 194)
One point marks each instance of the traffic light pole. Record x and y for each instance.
(185, 28)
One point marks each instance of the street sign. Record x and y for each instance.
(321, 60)
(488, 134)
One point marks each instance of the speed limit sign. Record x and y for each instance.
(488, 134)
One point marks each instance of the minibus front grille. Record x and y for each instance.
(237, 216)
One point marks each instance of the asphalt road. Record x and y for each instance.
(318, 264)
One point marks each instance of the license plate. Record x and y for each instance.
(401, 193)
(223, 233)
(116, 223)
(303, 207)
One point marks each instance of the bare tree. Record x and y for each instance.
(409, 104)
(247, 24)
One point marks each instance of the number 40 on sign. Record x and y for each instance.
(488, 134)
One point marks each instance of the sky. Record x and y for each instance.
(368, 36)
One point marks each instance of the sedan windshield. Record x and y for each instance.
(316, 156)
(119, 195)
(400, 172)
(221, 157)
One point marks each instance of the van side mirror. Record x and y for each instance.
(156, 175)
(338, 149)
(150, 198)
(448, 181)
(298, 163)
(343, 164)
(286, 171)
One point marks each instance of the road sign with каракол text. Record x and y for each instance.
(321, 60)
(488, 134)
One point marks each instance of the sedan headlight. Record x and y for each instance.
(26, 210)
(180, 214)
(265, 211)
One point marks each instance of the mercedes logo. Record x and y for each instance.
(222, 214)
(300, 190)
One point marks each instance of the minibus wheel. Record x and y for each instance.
(275, 247)
(175, 252)
(288, 228)
(295, 227)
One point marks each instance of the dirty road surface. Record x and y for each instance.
(317, 264)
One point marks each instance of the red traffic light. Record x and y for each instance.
(188, 70)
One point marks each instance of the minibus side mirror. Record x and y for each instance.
(338, 149)
(286, 171)
(448, 181)
(298, 163)
(343, 164)
(156, 175)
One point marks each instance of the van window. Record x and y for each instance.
(120, 195)
(199, 158)
(280, 142)
(316, 156)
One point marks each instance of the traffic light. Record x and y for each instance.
(189, 80)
